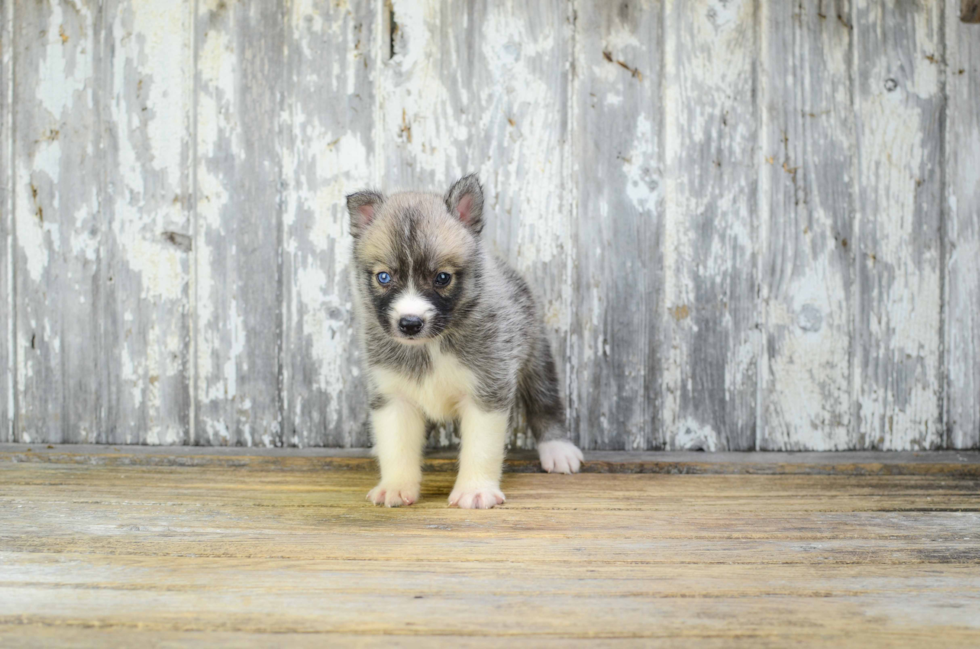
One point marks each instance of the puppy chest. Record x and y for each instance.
(439, 392)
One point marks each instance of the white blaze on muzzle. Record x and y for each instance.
(408, 308)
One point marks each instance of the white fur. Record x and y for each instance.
(481, 458)
(411, 304)
(446, 392)
(399, 433)
(438, 394)
(502, 338)
(560, 456)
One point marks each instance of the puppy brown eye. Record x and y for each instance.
(443, 279)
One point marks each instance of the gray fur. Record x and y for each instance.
(358, 220)
(467, 186)
(492, 326)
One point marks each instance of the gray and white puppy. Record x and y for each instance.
(450, 333)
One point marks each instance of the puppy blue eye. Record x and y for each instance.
(442, 279)
(384, 278)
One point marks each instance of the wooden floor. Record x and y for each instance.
(109, 553)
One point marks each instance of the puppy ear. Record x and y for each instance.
(362, 206)
(465, 201)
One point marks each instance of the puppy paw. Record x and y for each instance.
(476, 496)
(560, 456)
(393, 495)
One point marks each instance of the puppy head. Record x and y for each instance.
(417, 256)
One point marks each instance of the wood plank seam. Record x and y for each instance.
(943, 58)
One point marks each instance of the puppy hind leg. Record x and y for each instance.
(546, 415)
(555, 451)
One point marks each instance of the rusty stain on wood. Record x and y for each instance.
(680, 312)
(634, 72)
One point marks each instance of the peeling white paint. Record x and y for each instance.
(804, 373)
(213, 197)
(164, 31)
(8, 380)
(65, 70)
(709, 178)
(131, 375)
(899, 296)
(325, 323)
(228, 388)
(689, 435)
(416, 108)
(499, 98)
(962, 244)
(329, 153)
(160, 268)
(643, 183)
(30, 230)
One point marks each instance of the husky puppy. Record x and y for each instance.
(450, 333)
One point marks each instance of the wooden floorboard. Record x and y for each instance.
(265, 554)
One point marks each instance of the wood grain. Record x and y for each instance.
(481, 87)
(238, 232)
(711, 337)
(7, 364)
(808, 194)
(101, 555)
(962, 233)
(58, 190)
(146, 113)
(899, 104)
(618, 175)
(328, 151)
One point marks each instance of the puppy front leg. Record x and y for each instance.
(399, 434)
(481, 458)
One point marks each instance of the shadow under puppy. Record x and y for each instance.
(450, 332)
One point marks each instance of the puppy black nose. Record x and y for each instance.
(410, 325)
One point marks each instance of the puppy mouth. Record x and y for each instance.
(411, 341)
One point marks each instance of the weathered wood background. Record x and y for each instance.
(751, 224)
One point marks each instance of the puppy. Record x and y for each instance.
(450, 333)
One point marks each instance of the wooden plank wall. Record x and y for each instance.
(7, 365)
(146, 111)
(750, 223)
(961, 236)
(617, 177)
